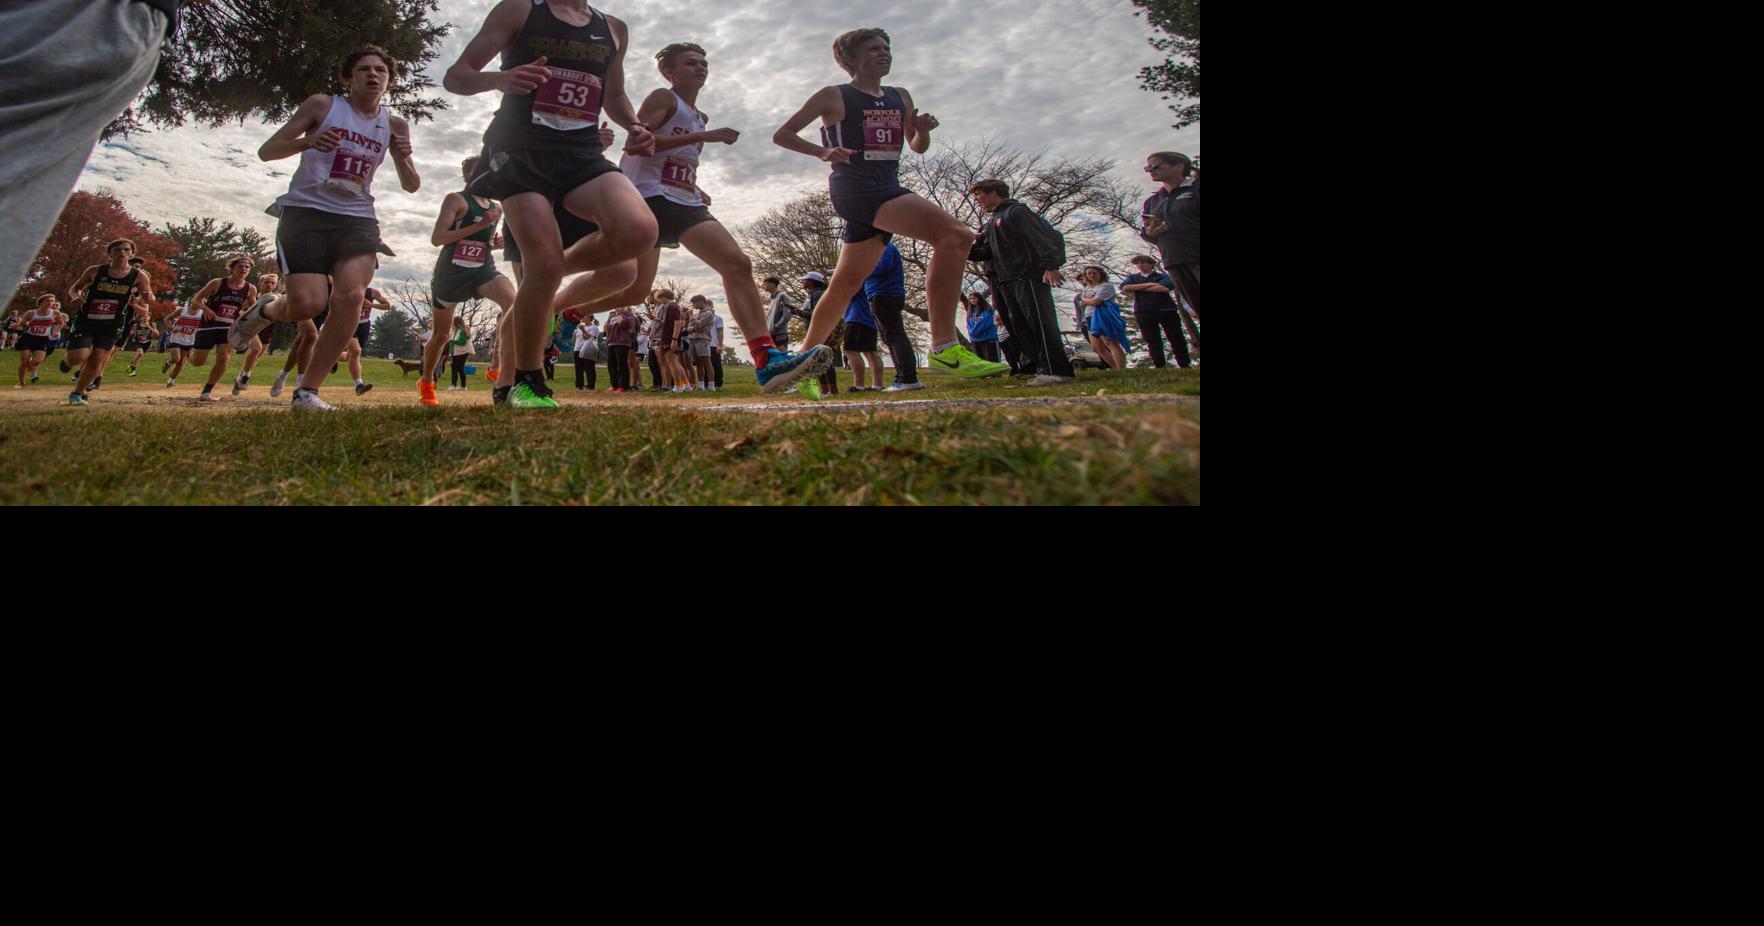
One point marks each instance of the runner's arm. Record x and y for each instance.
(402, 157)
(617, 106)
(918, 126)
(452, 208)
(295, 137)
(200, 300)
(76, 292)
(467, 77)
(829, 106)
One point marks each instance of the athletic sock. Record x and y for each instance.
(358, 381)
(535, 380)
(939, 348)
(207, 388)
(761, 348)
(302, 390)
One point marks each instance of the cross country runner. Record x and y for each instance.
(371, 302)
(266, 283)
(863, 127)
(103, 296)
(561, 62)
(328, 224)
(464, 231)
(184, 323)
(221, 302)
(668, 180)
(33, 345)
(145, 333)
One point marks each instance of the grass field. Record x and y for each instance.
(956, 442)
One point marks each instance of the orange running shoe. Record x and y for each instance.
(426, 393)
(492, 374)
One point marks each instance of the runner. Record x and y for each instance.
(371, 302)
(328, 224)
(143, 336)
(668, 180)
(561, 61)
(13, 329)
(221, 303)
(142, 309)
(866, 192)
(266, 283)
(184, 324)
(464, 231)
(103, 294)
(33, 343)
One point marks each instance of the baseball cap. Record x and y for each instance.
(812, 275)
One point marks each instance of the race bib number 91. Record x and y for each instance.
(883, 136)
(570, 100)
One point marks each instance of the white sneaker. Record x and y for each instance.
(1048, 379)
(250, 323)
(904, 387)
(208, 398)
(310, 402)
(170, 382)
(276, 390)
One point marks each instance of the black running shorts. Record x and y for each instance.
(315, 241)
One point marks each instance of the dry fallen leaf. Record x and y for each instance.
(741, 444)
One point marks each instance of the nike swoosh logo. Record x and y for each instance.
(597, 37)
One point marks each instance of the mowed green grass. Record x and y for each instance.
(142, 444)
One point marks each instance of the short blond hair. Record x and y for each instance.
(845, 47)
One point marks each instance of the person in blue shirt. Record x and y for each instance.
(981, 329)
(860, 343)
(1155, 308)
(885, 287)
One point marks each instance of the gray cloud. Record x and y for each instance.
(1058, 76)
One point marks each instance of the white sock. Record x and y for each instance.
(358, 382)
(939, 348)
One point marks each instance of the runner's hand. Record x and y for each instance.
(838, 155)
(524, 79)
(492, 217)
(606, 136)
(925, 122)
(726, 136)
(640, 142)
(401, 149)
(704, 196)
(326, 141)
(496, 242)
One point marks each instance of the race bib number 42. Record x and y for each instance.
(883, 136)
(570, 100)
(101, 309)
(469, 253)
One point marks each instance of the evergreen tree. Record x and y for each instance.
(394, 333)
(1179, 75)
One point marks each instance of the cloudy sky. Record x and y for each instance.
(1059, 76)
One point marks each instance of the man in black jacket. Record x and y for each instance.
(1026, 253)
(1172, 221)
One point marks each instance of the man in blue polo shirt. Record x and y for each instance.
(886, 289)
(860, 343)
(1154, 307)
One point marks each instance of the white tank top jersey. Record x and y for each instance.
(40, 324)
(341, 181)
(671, 174)
(184, 326)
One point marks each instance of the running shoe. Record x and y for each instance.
(74, 398)
(276, 388)
(34, 377)
(499, 396)
(905, 387)
(164, 366)
(239, 383)
(64, 366)
(131, 371)
(307, 400)
(363, 388)
(491, 375)
(784, 370)
(964, 362)
(208, 398)
(249, 324)
(169, 382)
(95, 384)
(525, 396)
(426, 393)
(809, 389)
(1049, 379)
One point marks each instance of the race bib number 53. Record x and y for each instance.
(570, 100)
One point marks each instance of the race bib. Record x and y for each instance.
(40, 328)
(100, 310)
(883, 135)
(570, 100)
(680, 175)
(468, 252)
(350, 173)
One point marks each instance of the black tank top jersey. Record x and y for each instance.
(108, 289)
(876, 128)
(570, 51)
(228, 302)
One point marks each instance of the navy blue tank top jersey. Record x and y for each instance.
(875, 127)
(564, 112)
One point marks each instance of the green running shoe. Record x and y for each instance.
(964, 362)
(523, 396)
(808, 389)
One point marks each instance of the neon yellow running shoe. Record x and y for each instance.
(964, 362)
(808, 389)
(524, 396)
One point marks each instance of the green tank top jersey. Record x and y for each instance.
(465, 264)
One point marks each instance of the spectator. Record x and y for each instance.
(778, 316)
(860, 343)
(1108, 331)
(1172, 221)
(646, 348)
(664, 341)
(460, 348)
(586, 352)
(1154, 308)
(816, 285)
(621, 365)
(717, 348)
(698, 337)
(886, 289)
(1026, 254)
(982, 332)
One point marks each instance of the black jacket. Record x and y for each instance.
(1180, 210)
(1023, 245)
